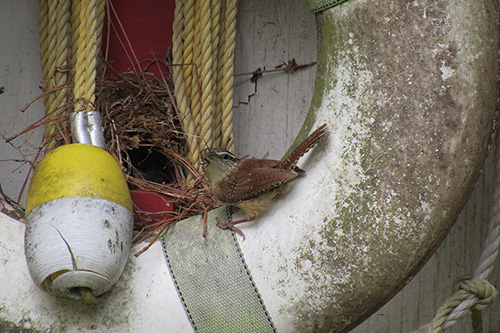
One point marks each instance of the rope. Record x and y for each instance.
(54, 30)
(228, 60)
(207, 104)
(477, 293)
(43, 31)
(179, 75)
(76, 7)
(216, 32)
(70, 32)
(203, 45)
(85, 73)
(62, 68)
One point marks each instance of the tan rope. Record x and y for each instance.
(70, 32)
(61, 71)
(53, 30)
(43, 31)
(100, 14)
(44, 44)
(207, 103)
(216, 32)
(85, 71)
(76, 7)
(178, 77)
(228, 79)
(195, 83)
(203, 44)
(219, 99)
(484, 293)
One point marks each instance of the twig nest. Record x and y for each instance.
(79, 222)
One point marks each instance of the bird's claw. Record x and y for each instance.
(225, 225)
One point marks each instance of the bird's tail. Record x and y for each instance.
(312, 140)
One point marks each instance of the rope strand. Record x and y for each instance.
(477, 293)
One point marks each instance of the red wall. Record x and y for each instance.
(148, 26)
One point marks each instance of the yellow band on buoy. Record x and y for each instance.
(78, 170)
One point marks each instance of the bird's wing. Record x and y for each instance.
(260, 178)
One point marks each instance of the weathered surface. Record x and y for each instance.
(409, 90)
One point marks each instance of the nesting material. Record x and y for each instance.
(143, 130)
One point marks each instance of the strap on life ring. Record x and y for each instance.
(212, 279)
(320, 5)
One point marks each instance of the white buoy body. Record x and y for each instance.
(75, 242)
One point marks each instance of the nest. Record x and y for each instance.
(143, 130)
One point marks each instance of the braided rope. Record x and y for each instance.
(76, 8)
(203, 42)
(207, 105)
(70, 33)
(43, 30)
(187, 52)
(61, 70)
(178, 76)
(196, 84)
(188, 35)
(53, 30)
(228, 79)
(86, 57)
(44, 36)
(217, 42)
(50, 100)
(475, 294)
(100, 14)
(480, 291)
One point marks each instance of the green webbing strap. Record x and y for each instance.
(212, 279)
(320, 5)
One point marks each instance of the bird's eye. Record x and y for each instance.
(225, 156)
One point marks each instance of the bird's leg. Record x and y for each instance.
(231, 225)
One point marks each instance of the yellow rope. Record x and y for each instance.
(228, 79)
(178, 77)
(101, 13)
(70, 32)
(207, 103)
(196, 83)
(53, 30)
(76, 7)
(203, 44)
(44, 36)
(85, 71)
(61, 71)
(218, 141)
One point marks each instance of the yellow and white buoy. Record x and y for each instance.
(79, 222)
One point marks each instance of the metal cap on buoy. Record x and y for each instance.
(79, 222)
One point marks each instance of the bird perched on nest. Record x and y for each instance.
(251, 184)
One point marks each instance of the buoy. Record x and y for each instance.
(79, 222)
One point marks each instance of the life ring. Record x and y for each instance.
(409, 134)
(409, 92)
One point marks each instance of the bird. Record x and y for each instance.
(251, 184)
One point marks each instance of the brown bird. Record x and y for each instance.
(251, 184)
